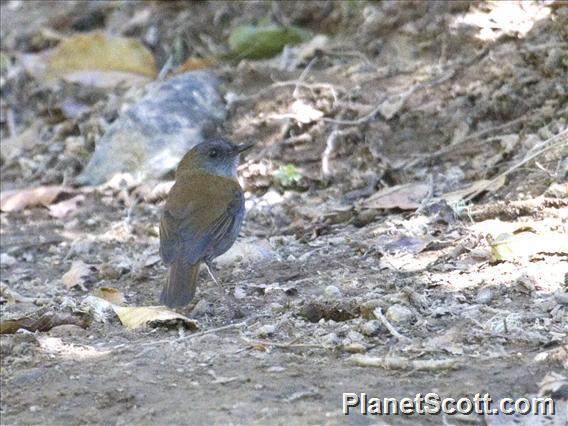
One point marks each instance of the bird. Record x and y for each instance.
(202, 216)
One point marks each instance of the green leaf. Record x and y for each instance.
(288, 175)
(252, 42)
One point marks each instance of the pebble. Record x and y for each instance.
(332, 292)
(484, 296)
(371, 328)
(355, 336)
(354, 348)
(202, 308)
(399, 314)
(247, 251)
(265, 330)
(7, 260)
(67, 330)
(330, 339)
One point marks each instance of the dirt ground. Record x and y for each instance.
(455, 281)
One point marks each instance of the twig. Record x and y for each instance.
(296, 83)
(302, 77)
(330, 147)
(547, 145)
(166, 68)
(11, 123)
(460, 142)
(194, 335)
(399, 363)
(290, 344)
(354, 54)
(379, 315)
(403, 96)
(407, 93)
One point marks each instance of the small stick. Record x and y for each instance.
(330, 147)
(283, 345)
(559, 139)
(379, 315)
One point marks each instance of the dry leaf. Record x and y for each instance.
(98, 51)
(64, 208)
(152, 260)
(41, 322)
(524, 244)
(109, 294)
(153, 316)
(76, 274)
(12, 297)
(19, 199)
(106, 79)
(192, 64)
(94, 59)
(404, 197)
(476, 187)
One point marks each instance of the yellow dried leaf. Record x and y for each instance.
(192, 64)
(153, 316)
(109, 294)
(98, 51)
(76, 274)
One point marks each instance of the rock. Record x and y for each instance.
(202, 308)
(561, 297)
(330, 339)
(265, 330)
(399, 314)
(249, 250)
(484, 296)
(371, 328)
(6, 260)
(332, 292)
(67, 330)
(355, 336)
(151, 136)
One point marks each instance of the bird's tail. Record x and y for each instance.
(180, 287)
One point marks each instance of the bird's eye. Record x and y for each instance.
(213, 153)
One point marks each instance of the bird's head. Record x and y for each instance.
(217, 156)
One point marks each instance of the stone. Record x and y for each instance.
(7, 260)
(484, 296)
(371, 328)
(332, 292)
(248, 251)
(399, 314)
(67, 330)
(151, 136)
(266, 330)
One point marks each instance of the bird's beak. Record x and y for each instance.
(245, 147)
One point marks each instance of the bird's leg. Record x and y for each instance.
(226, 295)
(211, 274)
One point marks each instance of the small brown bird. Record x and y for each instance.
(202, 217)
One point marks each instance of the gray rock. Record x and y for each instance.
(332, 292)
(484, 296)
(399, 314)
(371, 328)
(247, 251)
(150, 138)
(67, 330)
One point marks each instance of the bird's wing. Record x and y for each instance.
(199, 212)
